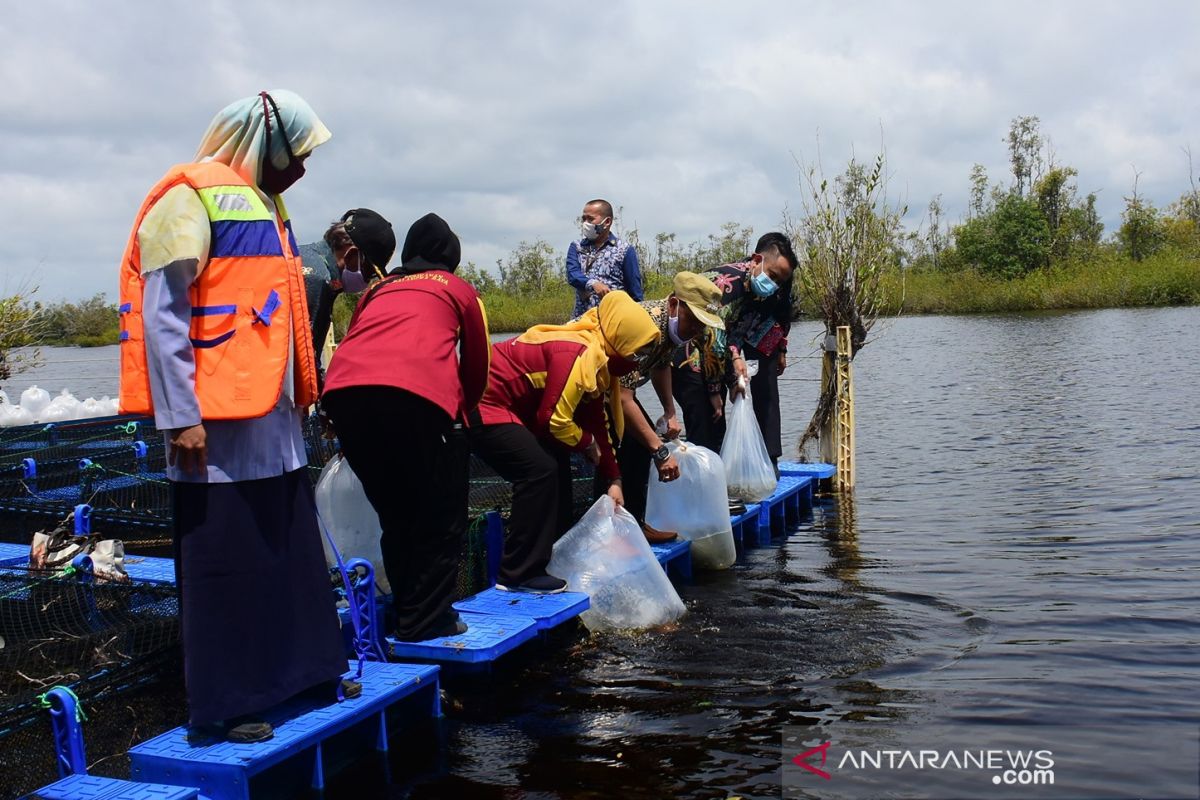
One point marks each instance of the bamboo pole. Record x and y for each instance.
(844, 412)
(826, 437)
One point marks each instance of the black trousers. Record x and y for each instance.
(258, 616)
(634, 460)
(764, 388)
(692, 396)
(540, 474)
(413, 466)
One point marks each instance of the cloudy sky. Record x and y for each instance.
(505, 117)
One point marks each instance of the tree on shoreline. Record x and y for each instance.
(1142, 231)
(21, 326)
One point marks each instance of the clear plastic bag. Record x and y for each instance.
(749, 472)
(350, 518)
(35, 400)
(606, 556)
(694, 505)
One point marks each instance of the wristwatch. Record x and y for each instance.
(662, 453)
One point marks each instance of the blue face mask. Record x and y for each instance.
(762, 285)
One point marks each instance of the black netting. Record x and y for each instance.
(99, 638)
(117, 467)
(72, 439)
(472, 562)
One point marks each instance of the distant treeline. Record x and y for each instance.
(89, 323)
(1030, 241)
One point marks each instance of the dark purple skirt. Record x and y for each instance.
(257, 609)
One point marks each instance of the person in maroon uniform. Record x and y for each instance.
(398, 391)
(551, 391)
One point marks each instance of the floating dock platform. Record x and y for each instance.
(294, 759)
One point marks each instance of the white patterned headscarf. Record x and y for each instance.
(237, 134)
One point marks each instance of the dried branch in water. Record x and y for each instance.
(851, 237)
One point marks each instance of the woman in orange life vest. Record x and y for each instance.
(551, 391)
(215, 342)
(413, 363)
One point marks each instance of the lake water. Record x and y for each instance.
(1019, 565)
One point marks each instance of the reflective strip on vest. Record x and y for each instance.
(233, 203)
(241, 223)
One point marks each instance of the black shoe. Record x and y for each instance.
(736, 507)
(452, 626)
(542, 584)
(242, 730)
(332, 691)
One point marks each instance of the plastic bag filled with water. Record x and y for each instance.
(607, 557)
(350, 518)
(749, 473)
(694, 505)
(35, 400)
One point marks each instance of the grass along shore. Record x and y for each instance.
(1169, 278)
(1109, 280)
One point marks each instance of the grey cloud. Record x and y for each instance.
(504, 118)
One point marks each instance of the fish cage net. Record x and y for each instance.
(72, 439)
(124, 483)
(100, 638)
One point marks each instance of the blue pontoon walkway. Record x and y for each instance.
(295, 758)
(498, 622)
(94, 787)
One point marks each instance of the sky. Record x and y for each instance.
(504, 118)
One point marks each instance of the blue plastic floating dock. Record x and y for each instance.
(816, 470)
(13, 554)
(675, 557)
(792, 496)
(93, 787)
(745, 526)
(760, 521)
(798, 500)
(229, 771)
(548, 610)
(141, 569)
(487, 638)
(146, 569)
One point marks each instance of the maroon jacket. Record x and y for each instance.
(406, 333)
(535, 385)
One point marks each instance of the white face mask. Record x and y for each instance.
(673, 331)
(591, 230)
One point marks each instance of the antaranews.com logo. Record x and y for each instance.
(993, 762)
(1007, 767)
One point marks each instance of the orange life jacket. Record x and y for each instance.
(245, 303)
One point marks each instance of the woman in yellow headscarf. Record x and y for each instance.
(552, 391)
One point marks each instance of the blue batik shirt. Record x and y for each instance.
(615, 264)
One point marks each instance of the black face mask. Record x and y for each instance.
(273, 180)
(620, 366)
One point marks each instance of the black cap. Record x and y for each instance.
(372, 234)
(430, 244)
